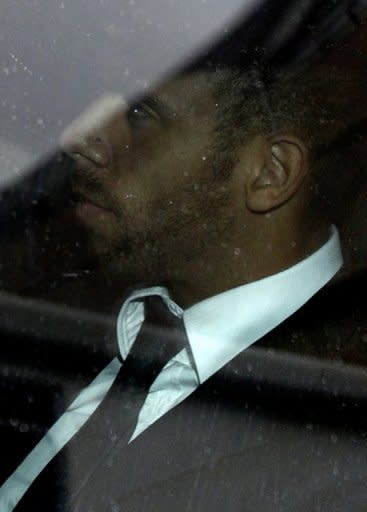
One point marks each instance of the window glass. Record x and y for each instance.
(183, 257)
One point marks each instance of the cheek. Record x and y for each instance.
(192, 212)
(169, 159)
(130, 195)
(167, 190)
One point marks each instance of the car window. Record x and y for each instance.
(183, 256)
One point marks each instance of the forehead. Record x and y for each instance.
(190, 93)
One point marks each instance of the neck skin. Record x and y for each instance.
(269, 244)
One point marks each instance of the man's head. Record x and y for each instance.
(204, 184)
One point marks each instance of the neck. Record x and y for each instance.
(272, 251)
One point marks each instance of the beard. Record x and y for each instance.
(151, 242)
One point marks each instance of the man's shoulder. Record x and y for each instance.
(331, 325)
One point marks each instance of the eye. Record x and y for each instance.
(140, 113)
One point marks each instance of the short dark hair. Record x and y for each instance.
(320, 105)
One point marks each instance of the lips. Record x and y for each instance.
(87, 207)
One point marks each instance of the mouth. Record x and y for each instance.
(88, 208)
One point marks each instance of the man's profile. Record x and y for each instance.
(212, 193)
(195, 184)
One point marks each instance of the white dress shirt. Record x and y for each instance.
(218, 329)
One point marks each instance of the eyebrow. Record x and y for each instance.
(163, 110)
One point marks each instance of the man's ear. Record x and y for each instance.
(276, 171)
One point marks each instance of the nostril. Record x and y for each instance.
(95, 149)
(92, 147)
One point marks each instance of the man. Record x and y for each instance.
(180, 195)
(207, 192)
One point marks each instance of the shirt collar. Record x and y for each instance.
(222, 326)
(131, 315)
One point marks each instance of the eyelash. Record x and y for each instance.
(134, 113)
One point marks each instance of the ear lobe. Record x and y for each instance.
(277, 173)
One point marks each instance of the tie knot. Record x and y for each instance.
(151, 304)
(158, 313)
(161, 337)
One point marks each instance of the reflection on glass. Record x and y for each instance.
(220, 209)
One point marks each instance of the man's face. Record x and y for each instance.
(149, 195)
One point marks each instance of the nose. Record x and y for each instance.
(91, 147)
(92, 134)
